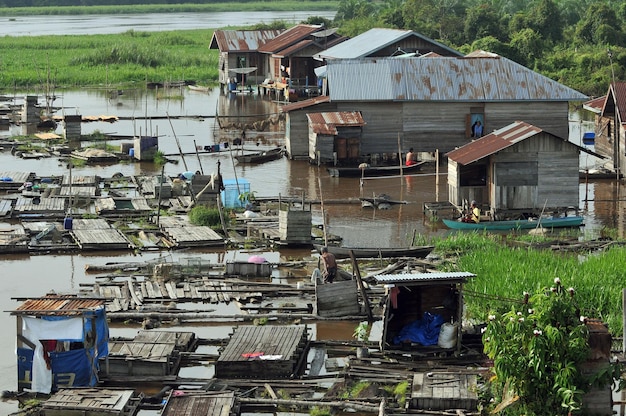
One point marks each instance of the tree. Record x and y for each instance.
(597, 16)
(482, 21)
(528, 46)
(545, 19)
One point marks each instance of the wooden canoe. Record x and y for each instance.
(261, 157)
(356, 172)
(522, 224)
(361, 252)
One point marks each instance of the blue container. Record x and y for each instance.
(232, 189)
(68, 223)
(131, 152)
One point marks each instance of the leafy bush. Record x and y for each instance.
(201, 215)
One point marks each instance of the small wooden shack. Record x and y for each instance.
(519, 168)
(60, 340)
(335, 136)
(337, 299)
(294, 224)
(269, 351)
(418, 305)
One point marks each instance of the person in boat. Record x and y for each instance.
(473, 215)
(330, 265)
(411, 159)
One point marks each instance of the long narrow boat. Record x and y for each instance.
(522, 224)
(261, 157)
(386, 252)
(355, 171)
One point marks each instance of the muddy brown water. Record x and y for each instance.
(24, 276)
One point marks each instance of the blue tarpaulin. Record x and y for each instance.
(424, 331)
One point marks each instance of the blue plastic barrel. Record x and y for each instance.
(131, 152)
(68, 223)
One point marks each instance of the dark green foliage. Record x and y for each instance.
(201, 215)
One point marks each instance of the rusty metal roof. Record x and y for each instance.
(293, 48)
(241, 40)
(54, 305)
(299, 105)
(480, 77)
(493, 142)
(289, 37)
(596, 105)
(424, 278)
(616, 101)
(374, 40)
(326, 123)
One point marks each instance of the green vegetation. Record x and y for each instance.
(538, 348)
(201, 215)
(505, 272)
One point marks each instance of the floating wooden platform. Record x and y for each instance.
(443, 391)
(201, 404)
(184, 234)
(337, 299)
(92, 234)
(91, 401)
(263, 352)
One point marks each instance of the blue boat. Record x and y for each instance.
(521, 224)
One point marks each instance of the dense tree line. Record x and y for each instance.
(64, 3)
(576, 42)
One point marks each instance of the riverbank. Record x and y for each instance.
(276, 5)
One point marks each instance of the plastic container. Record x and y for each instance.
(68, 223)
(131, 152)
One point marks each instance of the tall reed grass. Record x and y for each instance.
(505, 272)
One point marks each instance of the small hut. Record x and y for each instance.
(517, 169)
(419, 307)
(59, 342)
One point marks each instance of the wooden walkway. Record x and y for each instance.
(201, 404)
(184, 234)
(263, 352)
(97, 234)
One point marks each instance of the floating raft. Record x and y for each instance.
(263, 352)
(201, 404)
(91, 401)
(179, 230)
(97, 234)
(445, 390)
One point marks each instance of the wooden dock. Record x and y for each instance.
(98, 234)
(201, 403)
(264, 352)
(182, 233)
(91, 401)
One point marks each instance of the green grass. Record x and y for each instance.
(504, 273)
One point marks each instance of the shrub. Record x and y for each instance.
(201, 215)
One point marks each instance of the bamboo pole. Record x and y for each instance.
(319, 182)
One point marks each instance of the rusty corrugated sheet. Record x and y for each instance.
(293, 48)
(59, 306)
(241, 40)
(299, 105)
(619, 92)
(326, 123)
(493, 142)
(288, 38)
(471, 79)
(596, 105)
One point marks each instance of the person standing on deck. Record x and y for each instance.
(330, 265)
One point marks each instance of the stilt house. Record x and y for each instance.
(518, 168)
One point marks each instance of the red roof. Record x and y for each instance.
(288, 38)
(493, 142)
(58, 305)
(299, 105)
(326, 123)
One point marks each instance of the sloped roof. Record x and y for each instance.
(501, 139)
(289, 37)
(423, 278)
(326, 123)
(373, 40)
(299, 105)
(67, 305)
(596, 105)
(493, 142)
(241, 40)
(616, 101)
(480, 78)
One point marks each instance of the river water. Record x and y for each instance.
(192, 123)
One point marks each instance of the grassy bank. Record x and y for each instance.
(276, 5)
(504, 272)
(127, 58)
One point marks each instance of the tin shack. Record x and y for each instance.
(59, 342)
(422, 311)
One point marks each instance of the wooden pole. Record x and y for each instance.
(160, 191)
(319, 182)
(400, 154)
(623, 321)
(198, 156)
(437, 175)
(359, 281)
(180, 151)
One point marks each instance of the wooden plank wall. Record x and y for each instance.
(339, 298)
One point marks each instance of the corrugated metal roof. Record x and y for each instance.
(618, 91)
(293, 48)
(371, 41)
(439, 277)
(596, 105)
(241, 40)
(289, 37)
(58, 306)
(326, 123)
(473, 79)
(493, 142)
(299, 105)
